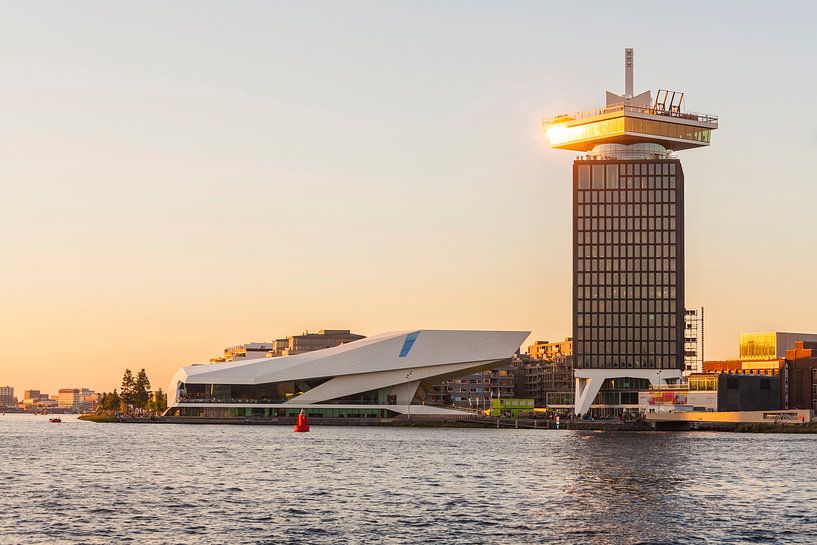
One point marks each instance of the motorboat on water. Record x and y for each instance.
(56, 420)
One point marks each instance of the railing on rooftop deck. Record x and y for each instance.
(622, 107)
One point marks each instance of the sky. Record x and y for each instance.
(180, 177)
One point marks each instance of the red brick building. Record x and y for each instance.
(800, 378)
(739, 367)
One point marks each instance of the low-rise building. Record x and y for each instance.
(77, 399)
(545, 372)
(714, 392)
(34, 396)
(7, 398)
(541, 379)
(748, 392)
(800, 378)
(548, 351)
(307, 342)
(68, 398)
(771, 345)
(278, 346)
(247, 351)
(739, 367)
(616, 397)
(477, 389)
(288, 346)
(33, 399)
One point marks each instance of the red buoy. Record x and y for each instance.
(301, 423)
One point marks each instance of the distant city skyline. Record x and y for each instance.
(181, 178)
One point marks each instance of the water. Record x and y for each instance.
(79, 482)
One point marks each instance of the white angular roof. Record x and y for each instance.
(397, 360)
(372, 354)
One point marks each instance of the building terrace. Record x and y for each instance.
(632, 123)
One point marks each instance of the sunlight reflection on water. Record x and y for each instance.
(79, 482)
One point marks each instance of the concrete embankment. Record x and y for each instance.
(773, 420)
(778, 428)
(466, 421)
(400, 421)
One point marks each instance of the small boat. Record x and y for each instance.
(55, 420)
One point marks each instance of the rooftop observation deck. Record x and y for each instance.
(624, 123)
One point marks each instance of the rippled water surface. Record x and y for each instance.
(79, 482)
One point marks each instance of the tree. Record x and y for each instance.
(159, 401)
(114, 401)
(109, 402)
(128, 388)
(141, 390)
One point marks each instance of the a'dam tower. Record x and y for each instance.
(628, 235)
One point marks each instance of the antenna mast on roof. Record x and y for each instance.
(628, 72)
(629, 96)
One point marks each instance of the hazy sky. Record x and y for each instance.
(178, 177)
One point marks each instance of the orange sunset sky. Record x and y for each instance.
(177, 178)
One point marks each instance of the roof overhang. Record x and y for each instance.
(625, 124)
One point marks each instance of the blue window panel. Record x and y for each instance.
(408, 343)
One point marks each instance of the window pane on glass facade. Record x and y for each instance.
(598, 176)
(612, 176)
(584, 176)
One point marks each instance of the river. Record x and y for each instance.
(80, 482)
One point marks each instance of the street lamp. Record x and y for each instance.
(660, 399)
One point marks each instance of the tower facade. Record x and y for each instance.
(628, 235)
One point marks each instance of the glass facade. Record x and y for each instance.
(628, 264)
(620, 391)
(561, 134)
(559, 398)
(703, 383)
(379, 396)
(274, 393)
(271, 392)
(663, 128)
(758, 346)
(613, 392)
(252, 412)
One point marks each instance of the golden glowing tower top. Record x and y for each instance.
(628, 120)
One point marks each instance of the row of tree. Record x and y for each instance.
(134, 394)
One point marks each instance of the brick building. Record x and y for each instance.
(536, 379)
(477, 389)
(800, 377)
(770, 367)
